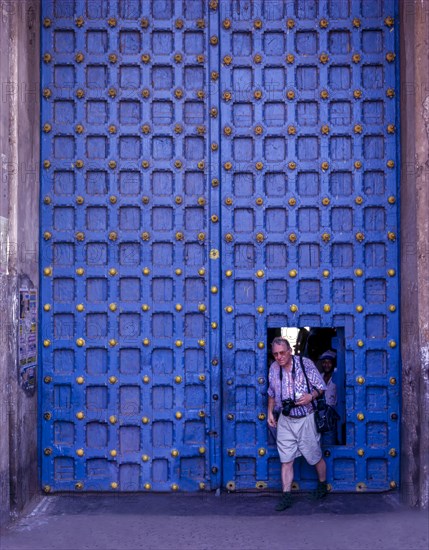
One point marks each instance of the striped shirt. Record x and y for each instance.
(294, 384)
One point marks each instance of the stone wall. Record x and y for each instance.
(19, 212)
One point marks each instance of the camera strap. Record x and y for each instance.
(306, 379)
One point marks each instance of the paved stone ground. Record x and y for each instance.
(209, 522)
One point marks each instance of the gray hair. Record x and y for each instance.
(280, 341)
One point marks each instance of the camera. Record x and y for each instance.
(287, 406)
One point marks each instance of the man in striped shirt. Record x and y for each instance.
(296, 431)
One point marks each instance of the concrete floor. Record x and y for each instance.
(206, 522)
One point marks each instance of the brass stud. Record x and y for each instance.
(229, 309)
(202, 377)
(293, 308)
(257, 58)
(79, 57)
(326, 308)
(261, 416)
(145, 58)
(178, 92)
(179, 236)
(80, 93)
(227, 60)
(145, 93)
(260, 237)
(290, 23)
(393, 485)
(360, 380)
(178, 307)
(178, 379)
(229, 345)
(46, 164)
(325, 129)
(174, 453)
(293, 273)
(112, 343)
(47, 57)
(392, 344)
(325, 165)
(201, 414)
(258, 130)
(326, 273)
(324, 94)
(356, 23)
(292, 201)
(46, 343)
(259, 201)
(146, 379)
(145, 307)
(80, 271)
(47, 93)
(214, 40)
(227, 96)
(359, 308)
(324, 58)
(357, 94)
(214, 4)
(214, 327)
(326, 237)
(357, 129)
(228, 273)
(47, 271)
(200, 94)
(146, 342)
(389, 21)
(390, 164)
(290, 94)
(47, 128)
(202, 271)
(80, 342)
(47, 22)
(47, 235)
(259, 165)
(113, 58)
(201, 343)
(261, 345)
(47, 416)
(201, 165)
(214, 218)
(179, 23)
(356, 58)
(80, 307)
(392, 308)
(80, 452)
(215, 182)
(358, 272)
(145, 420)
(257, 94)
(391, 236)
(360, 416)
(214, 146)
(201, 130)
(112, 164)
(200, 23)
(113, 271)
(391, 272)
(214, 75)
(361, 452)
(80, 415)
(178, 343)
(231, 452)
(47, 379)
(323, 23)
(291, 130)
(392, 381)
(47, 307)
(390, 57)
(360, 236)
(214, 290)
(200, 58)
(260, 273)
(292, 237)
(145, 236)
(360, 343)
(290, 58)
(147, 486)
(111, 22)
(325, 201)
(262, 451)
(174, 487)
(390, 92)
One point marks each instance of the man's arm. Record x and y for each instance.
(270, 416)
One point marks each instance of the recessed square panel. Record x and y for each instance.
(275, 149)
(130, 147)
(341, 219)
(129, 42)
(276, 220)
(96, 218)
(375, 218)
(194, 183)
(243, 149)
(162, 148)
(96, 254)
(307, 77)
(309, 255)
(129, 9)
(243, 220)
(162, 183)
(307, 113)
(194, 112)
(96, 182)
(162, 77)
(96, 111)
(340, 113)
(339, 9)
(129, 289)
(194, 42)
(96, 147)
(372, 41)
(129, 112)
(64, 112)
(63, 218)
(129, 218)
(341, 184)
(162, 218)
(129, 182)
(242, 43)
(373, 147)
(64, 147)
(373, 112)
(339, 77)
(162, 113)
(275, 113)
(64, 41)
(274, 79)
(194, 78)
(274, 43)
(308, 184)
(308, 148)
(374, 182)
(306, 42)
(96, 42)
(339, 42)
(96, 76)
(129, 77)
(64, 182)
(373, 77)
(194, 148)
(194, 218)
(243, 184)
(162, 42)
(308, 220)
(340, 147)
(306, 9)
(242, 82)
(276, 256)
(242, 114)
(162, 9)
(64, 76)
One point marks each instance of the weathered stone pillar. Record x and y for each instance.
(19, 227)
(414, 52)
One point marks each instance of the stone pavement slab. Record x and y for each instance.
(207, 522)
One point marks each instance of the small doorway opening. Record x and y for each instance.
(325, 346)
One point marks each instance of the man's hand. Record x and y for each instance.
(305, 399)
(271, 420)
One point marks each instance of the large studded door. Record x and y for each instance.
(212, 170)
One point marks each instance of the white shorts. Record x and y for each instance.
(298, 437)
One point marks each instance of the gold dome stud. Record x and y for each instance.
(80, 342)
(146, 379)
(147, 486)
(80, 415)
(293, 308)
(392, 308)
(113, 453)
(113, 379)
(145, 420)
(360, 452)
(360, 416)
(360, 343)
(326, 308)
(174, 453)
(113, 419)
(146, 341)
(293, 273)
(80, 307)
(47, 307)
(80, 452)
(326, 273)
(80, 380)
(145, 458)
(262, 451)
(260, 273)
(360, 380)
(359, 308)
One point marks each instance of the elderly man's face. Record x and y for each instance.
(281, 354)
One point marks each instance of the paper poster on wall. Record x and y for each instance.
(27, 338)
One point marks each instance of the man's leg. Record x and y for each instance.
(321, 470)
(287, 475)
(322, 486)
(287, 478)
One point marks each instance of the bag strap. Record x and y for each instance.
(306, 379)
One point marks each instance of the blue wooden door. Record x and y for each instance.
(211, 170)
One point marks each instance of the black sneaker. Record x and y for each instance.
(321, 490)
(285, 502)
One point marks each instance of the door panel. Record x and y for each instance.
(212, 170)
